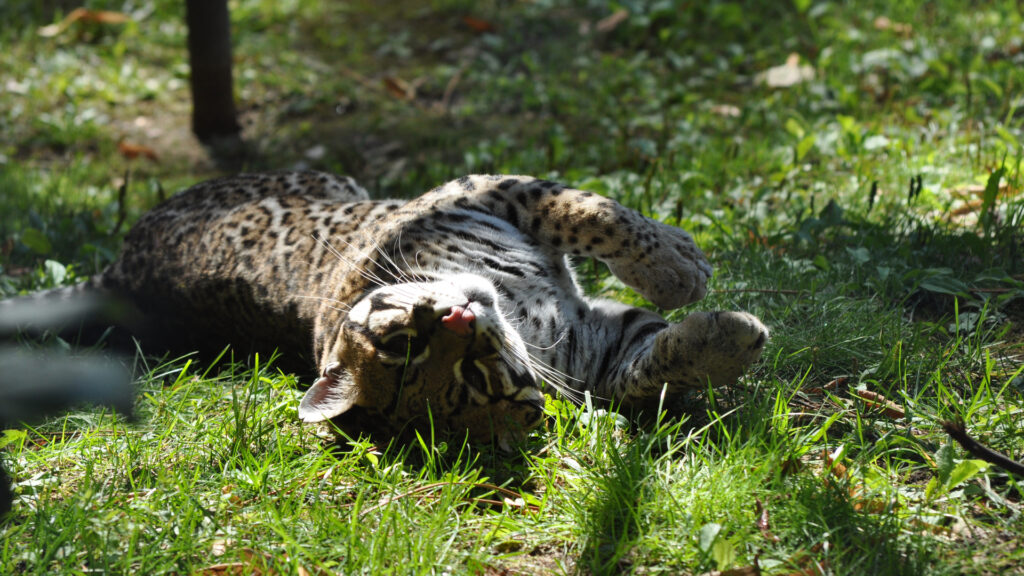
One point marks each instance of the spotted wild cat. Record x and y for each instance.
(452, 310)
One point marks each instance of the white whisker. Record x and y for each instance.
(324, 299)
(553, 344)
(401, 253)
(393, 270)
(363, 271)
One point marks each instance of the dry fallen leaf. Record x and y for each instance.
(478, 25)
(836, 468)
(786, 75)
(132, 151)
(399, 88)
(876, 400)
(869, 506)
(83, 15)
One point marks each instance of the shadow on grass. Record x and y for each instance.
(837, 533)
(611, 518)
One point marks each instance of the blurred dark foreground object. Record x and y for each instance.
(38, 383)
(34, 385)
(75, 313)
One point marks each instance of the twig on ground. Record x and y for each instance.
(449, 90)
(957, 431)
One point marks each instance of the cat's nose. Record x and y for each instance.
(459, 320)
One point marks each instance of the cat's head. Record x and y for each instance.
(417, 355)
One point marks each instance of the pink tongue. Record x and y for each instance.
(459, 320)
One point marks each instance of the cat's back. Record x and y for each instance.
(239, 252)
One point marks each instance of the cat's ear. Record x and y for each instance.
(333, 394)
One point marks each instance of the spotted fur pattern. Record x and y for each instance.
(451, 310)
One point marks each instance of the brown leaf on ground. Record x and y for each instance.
(791, 466)
(399, 88)
(83, 15)
(832, 464)
(870, 506)
(132, 151)
(831, 386)
(838, 471)
(478, 25)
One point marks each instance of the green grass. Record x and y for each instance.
(871, 216)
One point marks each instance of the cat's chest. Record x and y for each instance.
(537, 292)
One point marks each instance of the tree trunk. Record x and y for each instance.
(209, 54)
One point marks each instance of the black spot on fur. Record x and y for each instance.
(511, 214)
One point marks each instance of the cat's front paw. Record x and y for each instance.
(712, 346)
(665, 266)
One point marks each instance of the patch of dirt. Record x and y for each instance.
(167, 131)
(542, 559)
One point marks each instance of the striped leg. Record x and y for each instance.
(659, 261)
